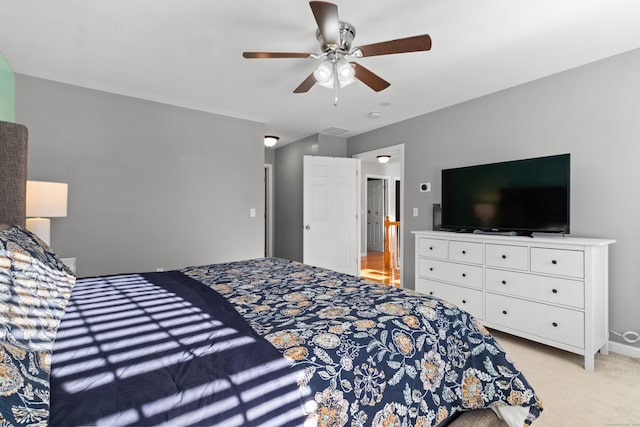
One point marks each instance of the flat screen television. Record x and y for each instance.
(521, 196)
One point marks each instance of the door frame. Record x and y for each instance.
(268, 168)
(398, 150)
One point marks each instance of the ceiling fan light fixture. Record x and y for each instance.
(347, 83)
(327, 71)
(270, 141)
(383, 158)
(346, 72)
(324, 73)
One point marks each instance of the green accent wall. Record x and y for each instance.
(7, 91)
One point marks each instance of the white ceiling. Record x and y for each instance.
(189, 52)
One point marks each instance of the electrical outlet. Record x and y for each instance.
(415, 211)
(425, 186)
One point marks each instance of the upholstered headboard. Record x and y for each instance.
(13, 173)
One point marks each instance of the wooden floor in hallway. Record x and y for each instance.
(372, 268)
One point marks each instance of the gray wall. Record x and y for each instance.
(150, 185)
(592, 112)
(288, 189)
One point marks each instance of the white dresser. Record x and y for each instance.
(553, 290)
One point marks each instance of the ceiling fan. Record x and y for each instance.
(335, 38)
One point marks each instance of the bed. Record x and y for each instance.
(254, 342)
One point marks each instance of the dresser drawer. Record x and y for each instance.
(465, 252)
(558, 261)
(548, 289)
(467, 299)
(507, 256)
(469, 275)
(433, 248)
(558, 324)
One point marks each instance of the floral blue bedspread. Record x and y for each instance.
(371, 354)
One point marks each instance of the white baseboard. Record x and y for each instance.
(624, 349)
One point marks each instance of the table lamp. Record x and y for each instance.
(45, 200)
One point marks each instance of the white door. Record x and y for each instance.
(331, 202)
(375, 215)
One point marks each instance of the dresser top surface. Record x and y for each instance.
(536, 239)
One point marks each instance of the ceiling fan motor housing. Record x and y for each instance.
(347, 34)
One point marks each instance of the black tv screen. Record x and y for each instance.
(524, 196)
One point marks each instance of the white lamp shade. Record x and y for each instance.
(46, 199)
(346, 72)
(324, 73)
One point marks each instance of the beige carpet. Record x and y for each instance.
(608, 397)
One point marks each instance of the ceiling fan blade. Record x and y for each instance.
(369, 78)
(264, 55)
(409, 44)
(326, 15)
(306, 84)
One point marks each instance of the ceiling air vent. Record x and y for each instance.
(334, 131)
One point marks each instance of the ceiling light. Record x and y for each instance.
(270, 140)
(384, 158)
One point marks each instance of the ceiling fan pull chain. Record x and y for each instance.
(336, 84)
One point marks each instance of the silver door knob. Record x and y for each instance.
(307, 227)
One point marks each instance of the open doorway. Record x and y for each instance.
(382, 200)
